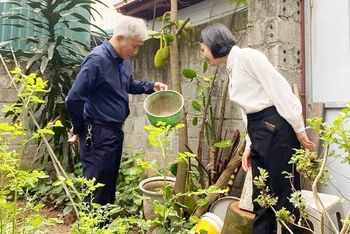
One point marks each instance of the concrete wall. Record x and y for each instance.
(8, 96)
(269, 26)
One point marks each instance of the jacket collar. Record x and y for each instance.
(112, 51)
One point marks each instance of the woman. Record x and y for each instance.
(273, 114)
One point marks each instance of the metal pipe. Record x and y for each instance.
(303, 62)
(306, 54)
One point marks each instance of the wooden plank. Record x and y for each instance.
(246, 201)
(316, 110)
(296, 92)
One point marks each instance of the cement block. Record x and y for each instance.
(8, 95)
(136, 141)
(282, 30)
(5, 80)
(189, 91)
(260, 9)
(240, 20)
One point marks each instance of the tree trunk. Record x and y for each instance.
(238, 221)
(176, 85)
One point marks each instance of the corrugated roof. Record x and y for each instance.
(145, 8)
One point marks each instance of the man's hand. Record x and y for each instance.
(305, 142)
(159, 86)
(74, 138)
(246, 160)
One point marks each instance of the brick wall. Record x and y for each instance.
(272, 27)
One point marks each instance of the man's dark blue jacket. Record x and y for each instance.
(101, 88)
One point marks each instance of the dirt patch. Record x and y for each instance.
(63, 228)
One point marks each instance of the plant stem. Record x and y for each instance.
(318, 201)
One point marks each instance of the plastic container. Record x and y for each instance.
(220, 206)
(209, 222)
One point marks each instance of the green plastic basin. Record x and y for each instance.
(165, 106)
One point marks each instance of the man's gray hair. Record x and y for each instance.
(130, 28)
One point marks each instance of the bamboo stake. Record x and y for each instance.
(222, 108)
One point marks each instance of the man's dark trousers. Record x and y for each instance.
(101, 160)
(273, 141)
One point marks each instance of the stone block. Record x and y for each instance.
(189, 91)
(289, 9)
(136, 109)
(292, 76)
(256, 34)
(136, 141)
(8, 95)
(260, 9)
(239, 20)
(282, 30)
(193, 145)
(5, 80)
(193, 131)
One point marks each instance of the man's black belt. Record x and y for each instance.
(115, 125)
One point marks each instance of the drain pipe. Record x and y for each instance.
(306, 62)
(303, 62)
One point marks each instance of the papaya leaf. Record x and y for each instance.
(189, 73)
(223, 144)
(196, 105)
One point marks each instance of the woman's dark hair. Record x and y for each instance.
(218, 38)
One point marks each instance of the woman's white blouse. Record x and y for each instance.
(255, 85)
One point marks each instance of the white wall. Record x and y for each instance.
(330, 68)
(331, 51)
(199, 13)
(203, 12)
(109, 16)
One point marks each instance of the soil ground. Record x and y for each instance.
(63, 228)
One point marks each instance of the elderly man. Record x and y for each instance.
(98, 104)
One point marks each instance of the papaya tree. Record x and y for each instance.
(169, 41)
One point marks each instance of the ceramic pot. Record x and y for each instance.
(151, 188)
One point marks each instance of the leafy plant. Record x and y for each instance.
(211, 132)
(159, 137)
(166, 37)
(14, 181)
(128, 197)
(55, 56)
(313, 168)
(50, 191)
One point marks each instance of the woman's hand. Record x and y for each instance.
(246, 160)
(304, 141)
(159, 86)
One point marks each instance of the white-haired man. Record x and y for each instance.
(98, 104)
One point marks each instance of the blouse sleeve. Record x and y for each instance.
(247, 138)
